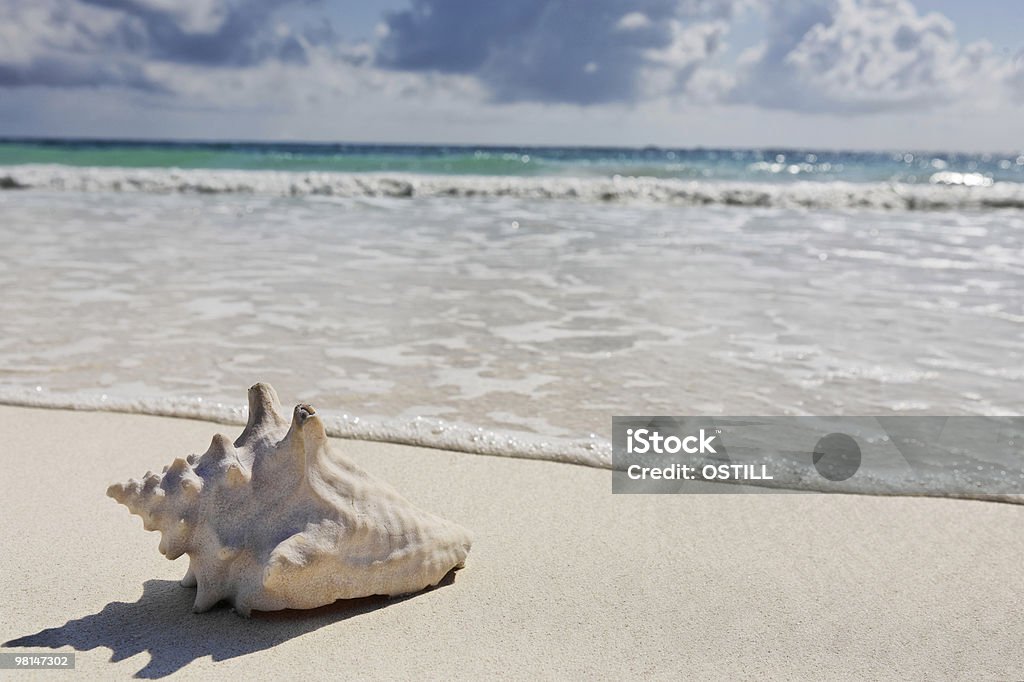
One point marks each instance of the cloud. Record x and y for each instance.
(856, 56)
(633, 21)
(216, 32)
(832, 56)
(1015, 76)
(60, 44)
(572, 51)
(74, 43)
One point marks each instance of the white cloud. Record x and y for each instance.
(632, 21)
(677, 67)
(856, 56)
(61, 43)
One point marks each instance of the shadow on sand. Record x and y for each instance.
(161, 622)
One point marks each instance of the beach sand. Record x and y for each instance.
(564, 578)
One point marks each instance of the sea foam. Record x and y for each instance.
(947, 191)
(790, 474)
(429, 432)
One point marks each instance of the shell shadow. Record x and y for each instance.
(161, 623)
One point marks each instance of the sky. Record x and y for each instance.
(836, 74)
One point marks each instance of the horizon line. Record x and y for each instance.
(188, 141)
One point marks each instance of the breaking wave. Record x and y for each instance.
(944, 192)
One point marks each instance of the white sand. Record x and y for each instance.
(564, 579)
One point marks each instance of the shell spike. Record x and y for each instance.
(314, 435)
(123, 492)
(306, 419)
(223, 453)
(220, 448)
(264, 413)
(237, 475)
(178, 467)
(307, 435)
(289, 457)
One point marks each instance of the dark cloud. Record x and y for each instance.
(577, 51)
(221, 33)
(51, 71)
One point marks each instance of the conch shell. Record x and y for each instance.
(278, 521)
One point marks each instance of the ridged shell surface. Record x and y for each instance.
(276, 520)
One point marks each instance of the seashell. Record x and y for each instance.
(276, 520)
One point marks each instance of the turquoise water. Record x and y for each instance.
(759, 165)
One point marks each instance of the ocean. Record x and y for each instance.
(746, 165)
(510, 300)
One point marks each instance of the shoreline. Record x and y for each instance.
(433, 433)
(564, 578)
(445, 436)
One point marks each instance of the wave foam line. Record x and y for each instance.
(816, 195)
(439, 434)
(420, 431)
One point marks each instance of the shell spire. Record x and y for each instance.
(264, 414)
(279, 520)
